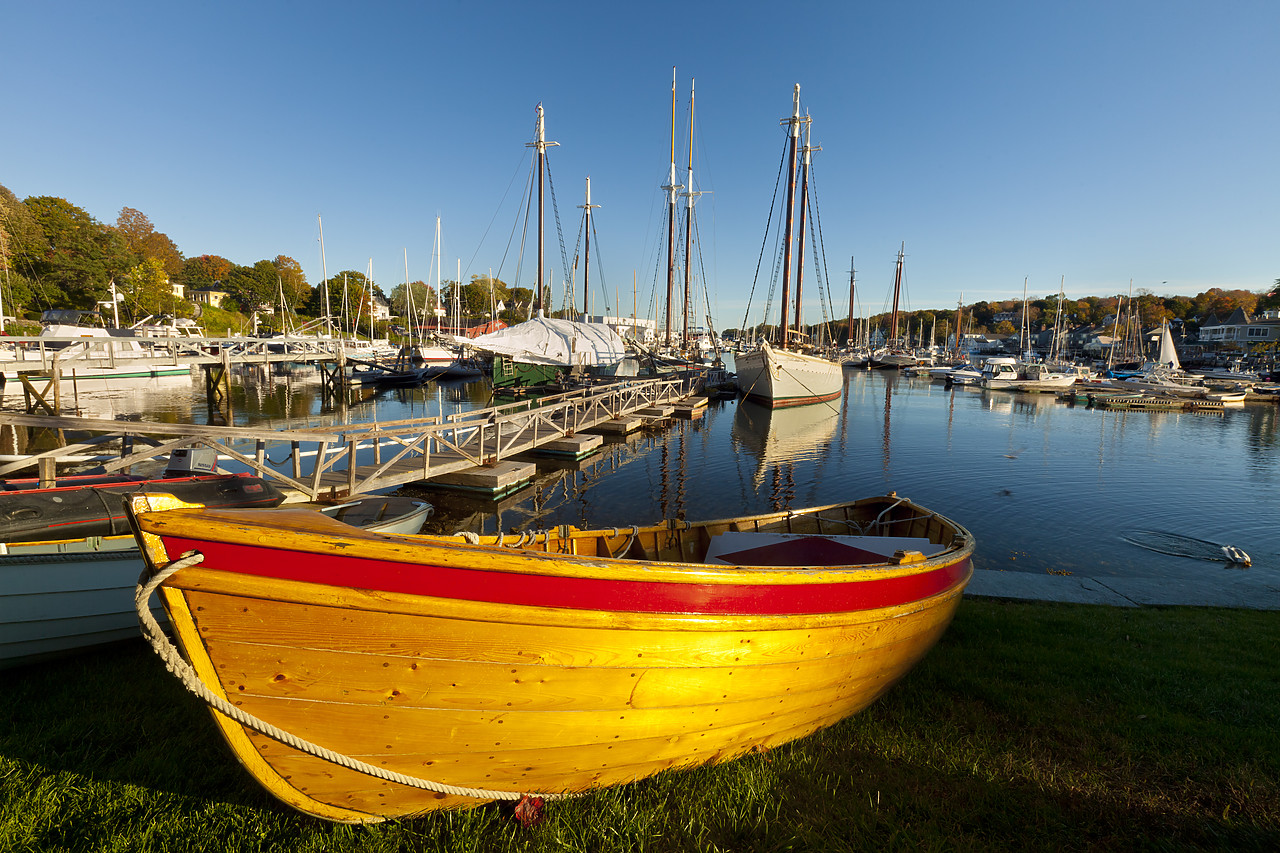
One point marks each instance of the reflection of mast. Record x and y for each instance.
(888, 397)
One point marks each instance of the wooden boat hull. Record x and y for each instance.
(521, 671)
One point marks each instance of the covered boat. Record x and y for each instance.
(76, 507)
(360, 677)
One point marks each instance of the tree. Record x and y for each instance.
(424, 299)
(205, 272)
(253, 287)
(21, 240)
(82, 256)
(146, 288)
(293, 281)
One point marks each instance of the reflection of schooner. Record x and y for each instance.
(780, 438)
(780, 377)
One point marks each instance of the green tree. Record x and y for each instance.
(145, 242)
(146, 288)
(292, 280)
(424, 299)
(254, 288)
(21, 241)
(82, 256)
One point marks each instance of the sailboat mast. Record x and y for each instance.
(540, 145)
(586, 255)
(959, 322)
(688, 222)
(852, 273)
(804, 218)
(324, 271)
(897, 290)
(794, 132)
(671, 188)
(439, 276)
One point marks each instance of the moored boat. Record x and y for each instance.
(361, 677)
(61, 596)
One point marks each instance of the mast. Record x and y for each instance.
(324, 270)
(959, 322)
(586, 255)
(1024, 334)
(541, 145)
(804, 217)
(794, 132)
(671, 189)
(1055, 349)
(897, 290)
(688, 223)
(852, 272)
(439, 308)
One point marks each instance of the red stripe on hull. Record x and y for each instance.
(572, 592)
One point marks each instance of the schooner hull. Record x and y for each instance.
(779, 378)
(528, 672)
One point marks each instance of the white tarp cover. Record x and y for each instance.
(566, 343)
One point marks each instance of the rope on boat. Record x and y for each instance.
(191, 680)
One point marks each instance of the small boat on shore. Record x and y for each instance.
(361, 677)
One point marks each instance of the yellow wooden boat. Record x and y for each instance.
(362, 676)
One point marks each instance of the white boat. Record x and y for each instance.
(999, 372)
(1039, 377)
(62, 596)
(779, 378)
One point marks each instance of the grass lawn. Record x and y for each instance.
(1030, 726)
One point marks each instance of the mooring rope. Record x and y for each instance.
(191, 681)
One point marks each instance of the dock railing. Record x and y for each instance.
(357, 458)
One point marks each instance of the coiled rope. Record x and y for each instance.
(191, 680)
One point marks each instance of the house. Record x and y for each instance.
(212, 298)
(1239, 331)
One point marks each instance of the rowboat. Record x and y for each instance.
(360, 677)
(61, 596)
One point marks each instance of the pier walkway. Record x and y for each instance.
(327, 463)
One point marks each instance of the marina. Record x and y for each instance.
(1046, 485)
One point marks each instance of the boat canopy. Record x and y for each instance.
(567, 343)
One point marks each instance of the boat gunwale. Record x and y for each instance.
(248, 527)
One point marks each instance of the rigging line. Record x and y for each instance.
(555, 210)
(604, 290)
(494, 218)
(767, 227)
(820, 245)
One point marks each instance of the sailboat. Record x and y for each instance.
(540, 349)
(780, 377)
(1165, 374)
(894, 354)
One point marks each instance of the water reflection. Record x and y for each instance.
(780, 440)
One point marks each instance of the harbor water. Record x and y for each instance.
(1043, 485)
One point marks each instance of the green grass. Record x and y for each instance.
(1030, 726)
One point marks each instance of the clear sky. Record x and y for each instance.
(1101, 141)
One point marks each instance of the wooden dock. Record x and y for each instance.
(335, 462)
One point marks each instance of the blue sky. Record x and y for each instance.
(1100, 141)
